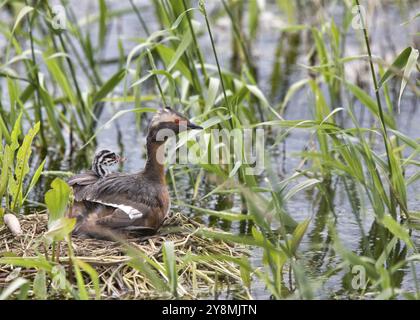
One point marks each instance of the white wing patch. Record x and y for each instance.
(130, 211)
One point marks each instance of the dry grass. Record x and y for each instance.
(118, 279)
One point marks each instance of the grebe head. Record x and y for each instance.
(103, 162)
(169, 119)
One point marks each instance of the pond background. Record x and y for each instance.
(388, 38)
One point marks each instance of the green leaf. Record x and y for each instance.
(7, 161)
(291, 91)
(103, 11)
(229, 237)
(27, 262)
(321, 49)
(35, 178)
(230, 216)
(57, 199)
(40, 285)
(109, 85)
(167, 55)
(4, 130)
(60, 228)
(299, 187)
(56, 71)
(399, 63)
(15, 285)
(53, 117)
(150, 274)
(408, 141)
(93, 276)
(397, 230)
(83, 295)
(16, 133)
(214, 85)
(27, 93)
(411, 65)
(22, 166)
(245, 275)
(254, 12)
(170, 265)
(182, 47)
(298, 235)
(22, 13)
(367, 101)
(303, 282)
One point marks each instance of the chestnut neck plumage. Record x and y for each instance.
(154, 169)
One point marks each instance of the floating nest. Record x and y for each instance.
(119, 278)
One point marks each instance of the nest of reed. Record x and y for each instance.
(118, 278)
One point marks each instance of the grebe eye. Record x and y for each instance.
(177, 121)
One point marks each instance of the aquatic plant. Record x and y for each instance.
(354, 150)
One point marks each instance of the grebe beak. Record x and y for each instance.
(191, 125)
(121, 159)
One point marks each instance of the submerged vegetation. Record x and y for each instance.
(337, 216)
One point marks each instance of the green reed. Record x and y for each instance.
(171, 68)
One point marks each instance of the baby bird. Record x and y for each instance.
(103, 162)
